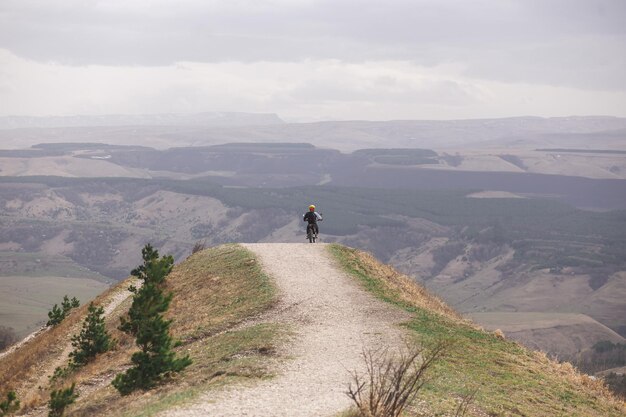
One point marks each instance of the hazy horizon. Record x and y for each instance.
(289, 120)
(312, 60)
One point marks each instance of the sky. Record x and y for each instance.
(310, 60)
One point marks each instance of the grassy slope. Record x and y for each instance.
(510, 379)
(213, 291)
(220, 287)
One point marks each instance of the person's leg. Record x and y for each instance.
(316, 229)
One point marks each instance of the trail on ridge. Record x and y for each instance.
(333, 320)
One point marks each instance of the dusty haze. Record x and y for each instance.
(311, 60)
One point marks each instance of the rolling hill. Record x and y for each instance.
(482, 254)
(493, 230)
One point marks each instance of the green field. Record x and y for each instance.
(33, 282)
(25, 301)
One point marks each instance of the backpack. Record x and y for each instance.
(310, 217)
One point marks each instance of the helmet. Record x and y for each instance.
(311, 207)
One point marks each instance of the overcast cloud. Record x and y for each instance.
(338, 59)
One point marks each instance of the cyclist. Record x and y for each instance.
(312, 217)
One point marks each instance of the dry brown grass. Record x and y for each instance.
(27, 369)
(402, 288)
(214, 290)
(499, 334)
(211, 299)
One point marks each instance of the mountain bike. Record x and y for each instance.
(310, 234)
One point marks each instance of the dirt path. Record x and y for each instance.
(110, 305)
(48, 368)
(333, 320)
(24, 341)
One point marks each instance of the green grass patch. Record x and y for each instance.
(511, 380)
(216, 289)
(243, 356)
(237, 353)
(166, 402)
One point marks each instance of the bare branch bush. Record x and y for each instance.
(391, 382)
(466, 400)
(198, 246)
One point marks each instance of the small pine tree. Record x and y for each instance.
(61, 372)
(60, 399)
(149, 300)
(153, 270)
(56, 315)
(155, 359)
(10, 405)
(68, 304)
(145, 321)
(93, 338)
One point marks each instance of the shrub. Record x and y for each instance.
(56, 315)
(391, 383)
(61, 372)
(10, 405)
(60, 399)
(198, 246)
(92, 339)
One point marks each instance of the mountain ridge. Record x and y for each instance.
(347, 136)
(222, 299)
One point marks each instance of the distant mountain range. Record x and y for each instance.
(180, 130)
(213, 119)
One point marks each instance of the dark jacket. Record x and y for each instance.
(312, 217)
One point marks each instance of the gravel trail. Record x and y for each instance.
(333, 320)
(47, 369)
